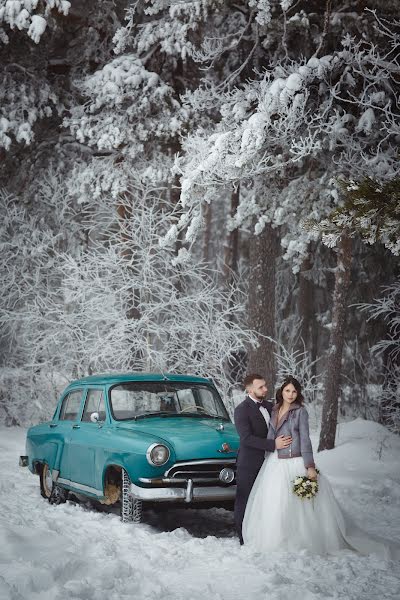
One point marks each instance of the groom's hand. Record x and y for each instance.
(282, 441)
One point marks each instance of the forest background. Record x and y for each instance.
(209, 187)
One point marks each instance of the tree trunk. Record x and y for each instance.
(334, 359)
(236, 364)
(231, 246)
(263, 254)
(305, 305)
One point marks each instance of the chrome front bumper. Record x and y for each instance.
(190, 493)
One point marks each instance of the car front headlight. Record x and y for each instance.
(157, 454)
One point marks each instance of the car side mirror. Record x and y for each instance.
(95, 417)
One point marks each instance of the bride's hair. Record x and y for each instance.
(297, 386)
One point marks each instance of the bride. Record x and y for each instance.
(277, 519)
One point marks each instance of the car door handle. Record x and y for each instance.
(53, 424)
(76, 426)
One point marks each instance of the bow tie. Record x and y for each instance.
(262, 404)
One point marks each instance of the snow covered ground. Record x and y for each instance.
(70, 552)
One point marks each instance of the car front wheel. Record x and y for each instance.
(131, 508)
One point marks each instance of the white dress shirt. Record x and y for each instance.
(262, 410)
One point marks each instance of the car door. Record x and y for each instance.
(86, 450)
(70, 412)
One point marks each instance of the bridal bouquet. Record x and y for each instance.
(304, 487)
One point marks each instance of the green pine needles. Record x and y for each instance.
(369, 208)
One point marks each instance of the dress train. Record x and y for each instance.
(277, 519)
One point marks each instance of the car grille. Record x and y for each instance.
(204, 471)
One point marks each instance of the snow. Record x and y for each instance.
(286, 4)
(294, 82)
(75, 553)
(22, 19)
(366, 121)
(37, 28)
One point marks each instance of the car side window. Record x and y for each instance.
(71, 406)
(94, 403)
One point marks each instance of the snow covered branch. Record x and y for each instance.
(27, 15)
(388, 308)
(127, 105)
(371, 208)
(339, 112)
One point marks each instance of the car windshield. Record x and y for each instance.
(134, 400)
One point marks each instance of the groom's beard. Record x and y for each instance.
(260, 397)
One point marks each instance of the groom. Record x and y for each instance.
(252, 418)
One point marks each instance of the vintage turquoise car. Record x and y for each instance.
(129, 439)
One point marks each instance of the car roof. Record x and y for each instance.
(114, 378)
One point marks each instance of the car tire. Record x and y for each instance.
(58, 495)
(131, 508)
(46, 481)
(50, 490)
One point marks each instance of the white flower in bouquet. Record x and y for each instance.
(304, 487)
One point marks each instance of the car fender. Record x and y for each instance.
(39, 451)
(132, 456)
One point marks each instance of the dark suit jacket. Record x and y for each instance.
(253, 431)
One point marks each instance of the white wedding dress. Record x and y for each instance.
(278, 520)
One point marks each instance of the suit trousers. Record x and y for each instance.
(245, 478)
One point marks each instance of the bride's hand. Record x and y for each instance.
(312, 473)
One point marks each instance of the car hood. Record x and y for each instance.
(190, 438)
